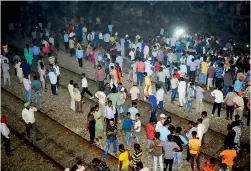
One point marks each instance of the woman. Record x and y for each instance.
(119, 73)
(99, 123)
(77, 98)
(28, 54)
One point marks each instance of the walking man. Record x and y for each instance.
(6, 73)
(174, 86)
(79, 55)
(218, 100)
(29, 118)
(85, 87)
(36, 86)
(27, 86)
(5, 135)
(194, 146)
(53, 79)
(111, 133)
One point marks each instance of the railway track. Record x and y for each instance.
(177, 120)
(53, 139)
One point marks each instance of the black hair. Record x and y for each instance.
(199, 120)
(236, 123)
(229, 126)
(171, 128)
(79, 162)
(71, 82)
(223, 165)
(178, 129)
(75, 85)
(137, 146)
(204, 113)
(128, 113)
(109, 101)
(137, 114)
(83, 74)
(170, 137)
(212, 160)
(194, 133)
(140, 165)
(134, 103)
(121, 146)
(96, 106)
(152, 120)
(92, 109)
(157, 134)
(166, 123)
(95, 160)
(191, 122)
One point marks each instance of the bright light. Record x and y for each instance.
(247, 46)
(179, 32)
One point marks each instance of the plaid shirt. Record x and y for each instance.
(237, 137)
(102, 167)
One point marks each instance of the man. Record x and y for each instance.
(200, 129)
(227, 80)
(204, 69)
(228, 156)
(57, 72)
(205, 122)
(181, 141)
(114, 77)
(229, 140)
(71, 46)
(134, 92)
(153, 104)
(211, 72)
(160, 98)
(218, 100)
(238, 104)
(127, 127)
(6, 73)
(161, 76)
(25, 67)
(182, 91)
(110, 111)
(169, 147)
(53, 79)
(101, 99)
(80, 55)
(78, 167)
(132, 54)
(35, 51)
(114, 96)
(219, 75)
(174, 86)
(27, 86)
(194, 146)
(237, 129)
(5, 136)
(191, 128)
(164, 131)
(137, 127)
(140, 167)
(99, 165)
(192, 71)
(140, 68)
(199, 98)
(36, 86)
(100, 76)
(133, 111)
(70, 89)
(229, 103)
(148, 84)
(190, 96)
(150, 130)
(123, 158)
(111, 133)
(66, 40)
(136, 157)
(85, 87)
(29, 118)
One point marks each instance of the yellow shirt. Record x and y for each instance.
(124, 158)
(112, 39)
(148, 83)
(194, 145)
(204, 67)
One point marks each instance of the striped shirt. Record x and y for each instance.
(136, 157)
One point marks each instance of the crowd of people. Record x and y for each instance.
(206, 61)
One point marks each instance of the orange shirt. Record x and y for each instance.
(207, 166)
(140, 66)
(228, 157)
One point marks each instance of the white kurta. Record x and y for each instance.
(146, 51)
(70, 89)
(148, 68)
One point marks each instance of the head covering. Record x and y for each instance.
(3, 119)
(116, 33)
(240, 93)
(127, 35)
(241, 78)
(162, 115)
(26, 104)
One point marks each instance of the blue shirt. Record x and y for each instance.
(66, 38)
(133, 112)
(219, 72)
(153, 101)
(238, 86)
(119, 88)
(79, 53)
(164, 132)
(183, 139)
(110, 28)
(107, 91)
(35, 50)
(127, 125)
(26, 68)
(126, 44)
(36, 84)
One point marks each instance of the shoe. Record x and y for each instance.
(91, 97)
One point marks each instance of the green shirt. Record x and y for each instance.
(114, 97)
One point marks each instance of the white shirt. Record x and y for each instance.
(159, 124)
(57, 70)
(144, 169)
(218, 95)
(137, 125)
(84, 83)
(101, 97)
(182, 86)
(139, 45)
(205, 122)
(160, 95)
(52, 77)
(146, 50)
(110, 112)
(183, 69)
(200, 131)
(134, 92)
(27, 84)
(5, 130)
(70, 89)
(28, 115)
(100, 35)
(132, 55)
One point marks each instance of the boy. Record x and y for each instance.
(137, 127)
(127, 128)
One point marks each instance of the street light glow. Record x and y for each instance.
(179, 32)
(247, 46)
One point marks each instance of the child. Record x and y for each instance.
(91, 124)
(77, 98)
(237, 119)
(137, 127)
(127, 128)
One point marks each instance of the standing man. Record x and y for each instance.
(161, 76)
(70, 89)
(148, 84)
(66, 40)
(228, 156)
(174, 86)
(6, 73)
(194, 146)
(153, 103)
(57, 71)
(27, 86)
(100, 76)
(203, 74)
(205, 122)
(111, 133)
(200, 129)
(182, 91)
(29, 118)
(218, 100)
(110, 111)
(211, 72)
(36, 86)
(191, 128)
(133, 111)
(53, 79)
(5, 136)
(150, 131)
(85, 87)
(230, 103)
(199, 98)
(140, 68)
(80, 55)
(123, 158)
(238, 104)
(134, 92)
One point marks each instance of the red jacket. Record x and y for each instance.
(150, 130)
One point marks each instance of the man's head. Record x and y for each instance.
(137, 116)
(223, 166)
(145, 73)
(199, 121)
(92, 110)
(139, 165)
(229, 127)
(109, 103)
(170, 137)
(96, 107)
(152, 121)
(194, 133)
(191, 124)
(178, 129)
(121, 148)
(95, 162)
(237, 117)
(204, 114)
(83, 75)
(71, 82)
(134, 104)
(128, 114)
(79, 163)
(111, 122)
(136, 147)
